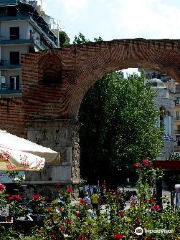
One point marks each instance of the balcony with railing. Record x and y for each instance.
(6, 64)
(177, 132)
(7, 91)
(15, 39)
(19, 39)
(177, 118)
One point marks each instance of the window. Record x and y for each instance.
(14, 58)
(11, 11)
(14, 33)
(14, 82)
(177, 115)
(178, 127)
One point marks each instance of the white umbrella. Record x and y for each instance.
(20, 154)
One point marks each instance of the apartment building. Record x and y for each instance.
(24, 28)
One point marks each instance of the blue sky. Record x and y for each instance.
(117, 19)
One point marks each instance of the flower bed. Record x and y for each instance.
(64, 219)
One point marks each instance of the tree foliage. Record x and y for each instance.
(64, 40)
(81, 39)
(119, 128)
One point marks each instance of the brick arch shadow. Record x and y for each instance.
(50, 68)
(117, 56)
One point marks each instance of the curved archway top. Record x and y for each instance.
(83, 65)
(103, 57)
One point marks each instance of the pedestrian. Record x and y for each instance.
(95, 200)
(88, 201)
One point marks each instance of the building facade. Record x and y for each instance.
(24, 28)
(170, 117)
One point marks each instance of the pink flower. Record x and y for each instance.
(69, 190)
(2, 187)
(137, 164)
(118, 236)
(155, 208)
(146, 162)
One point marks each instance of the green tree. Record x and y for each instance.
(64, 40)
(119, 128)
(81, 39)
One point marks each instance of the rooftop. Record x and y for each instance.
(14, 2)
(155, 83)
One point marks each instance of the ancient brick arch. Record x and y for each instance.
(82, 65)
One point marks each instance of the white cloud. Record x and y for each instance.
(145, 18)
(72, 8)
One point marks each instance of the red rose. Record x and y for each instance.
(146, 162)
(53, 235)
(137, 165)
(69, 190)
(78, 215)
(150, 238)
(83, 236)
(69, 221)
(18, 197)
(2, 187)
(155, 208)
(10, 198)
(121, 213)
(151, 200)
(36, 196)
(62, 228)
(118, 236)
(58, 185)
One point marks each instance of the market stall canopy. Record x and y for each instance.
(20, 154)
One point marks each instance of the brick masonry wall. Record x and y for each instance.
(12, 117)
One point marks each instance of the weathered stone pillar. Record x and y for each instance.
(61, 136)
